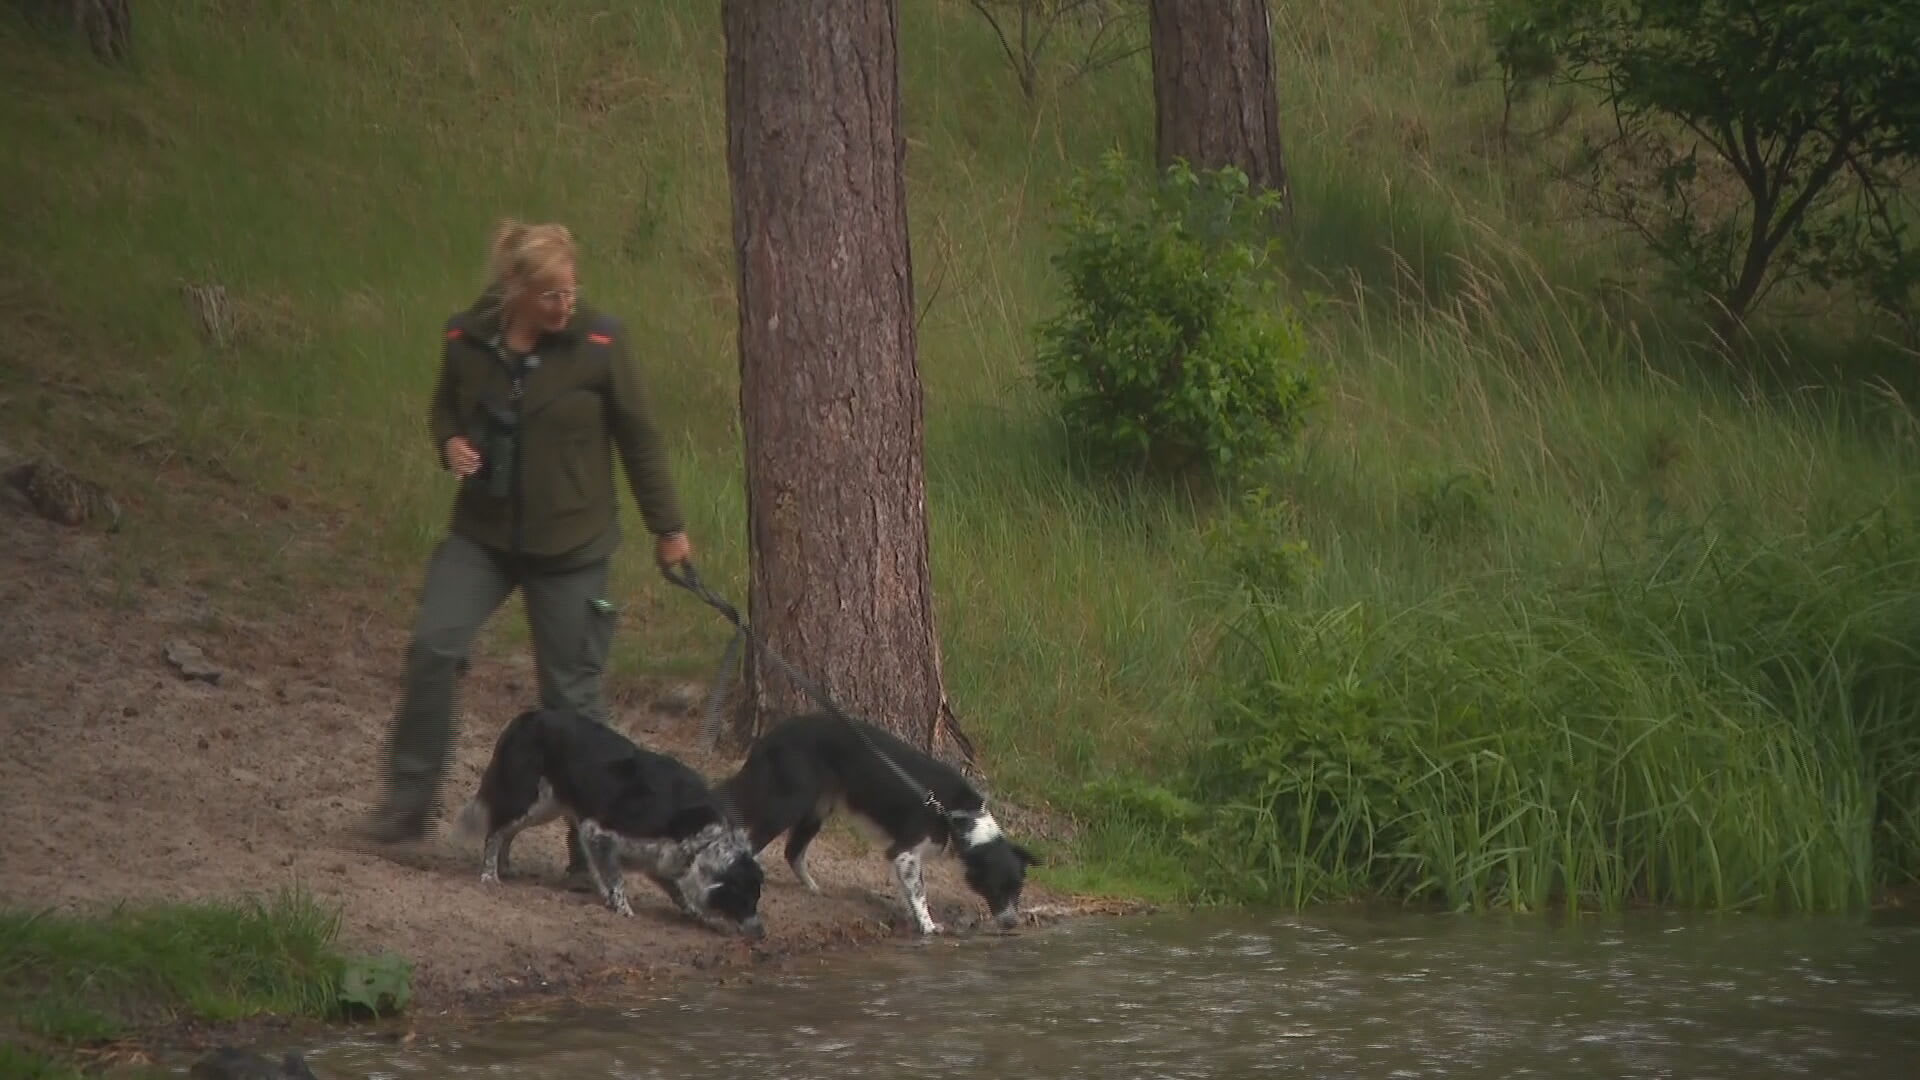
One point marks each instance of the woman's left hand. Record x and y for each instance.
(672, 550)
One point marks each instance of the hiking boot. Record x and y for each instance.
(393, 822)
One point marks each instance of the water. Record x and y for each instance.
(1401, 996)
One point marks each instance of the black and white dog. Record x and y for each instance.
(797, 774)
(633, 809)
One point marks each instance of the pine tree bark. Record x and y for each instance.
(830, 394)
(1213, 88)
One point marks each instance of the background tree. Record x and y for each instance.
(829, 388)
(1752, 144)
(107, 25)
(1213, 91)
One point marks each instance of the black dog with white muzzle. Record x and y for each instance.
(634, 809)
(799, 773)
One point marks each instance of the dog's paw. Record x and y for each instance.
(488, 877)
(804, 877)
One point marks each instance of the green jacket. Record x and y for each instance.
(576, 398)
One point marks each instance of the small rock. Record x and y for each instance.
(60, 496)
(134, 710)
(228, 1063)
(680, 698)
(319, 693)
(191, 662)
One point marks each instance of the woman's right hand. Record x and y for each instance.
(461, 457)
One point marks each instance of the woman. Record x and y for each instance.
(535, 393)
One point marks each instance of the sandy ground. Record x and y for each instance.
(122, 779)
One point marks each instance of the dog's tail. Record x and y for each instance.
(471, 823)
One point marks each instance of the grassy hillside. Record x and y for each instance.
(1512, 432)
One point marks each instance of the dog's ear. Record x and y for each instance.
(1026, 856)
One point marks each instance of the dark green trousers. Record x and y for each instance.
(466, 583)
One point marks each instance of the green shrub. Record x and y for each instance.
(1173, 350)
(1451, 504)
(1257, 547)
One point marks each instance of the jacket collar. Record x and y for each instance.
(481, 322)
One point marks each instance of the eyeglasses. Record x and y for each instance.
(560, 296)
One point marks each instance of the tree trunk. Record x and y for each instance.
(829, 386)
(107, 25)
(1214, 101)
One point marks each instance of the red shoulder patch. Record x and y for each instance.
(453, 334)
(600, 339)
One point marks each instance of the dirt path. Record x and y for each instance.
(123, 779)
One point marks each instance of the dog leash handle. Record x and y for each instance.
(689, 579)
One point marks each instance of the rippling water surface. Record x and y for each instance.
(1236, 995)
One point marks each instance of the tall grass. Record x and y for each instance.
(1510, 428)
(1581, 633)
(76, 979)
(1719, 722)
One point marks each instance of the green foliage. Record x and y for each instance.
(1256, 545)
(381, 983)
(19, 1063)
(1755, 143)
(1451, 504)
(1173, 350)
(1141, 805)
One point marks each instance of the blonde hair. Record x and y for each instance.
(526, 257)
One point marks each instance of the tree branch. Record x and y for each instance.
(1725, 145)
(1782, 166)
(1816, 182)
(1756, 161)
(1006, 46)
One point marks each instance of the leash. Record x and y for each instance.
(689, 580)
